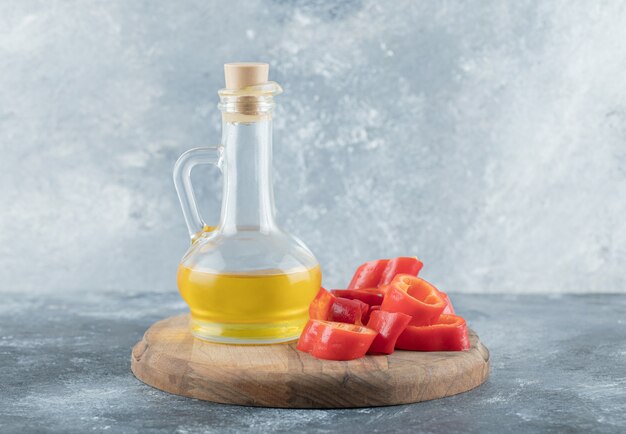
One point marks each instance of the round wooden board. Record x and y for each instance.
(171, 359)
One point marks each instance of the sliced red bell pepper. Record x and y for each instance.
(367, 316)
(401, 265)
(415, 297)
(321, 305)
(381, 272)
(384, 288)
(449, 309)
(309, 335)
(449, 333)
(368, 275)
(371, 296)
(389, 326)
(335, 341)
(348, 311)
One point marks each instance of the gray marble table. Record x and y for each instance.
(558, 365)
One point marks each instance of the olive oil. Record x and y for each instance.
(268, 306)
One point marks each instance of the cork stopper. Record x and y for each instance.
(240, 75)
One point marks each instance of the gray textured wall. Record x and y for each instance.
(489, 138)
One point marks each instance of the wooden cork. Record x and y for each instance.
(244, 74)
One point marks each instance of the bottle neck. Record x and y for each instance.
(248, 201)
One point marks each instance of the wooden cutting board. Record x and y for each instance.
(171, 359)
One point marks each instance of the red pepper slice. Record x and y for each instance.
(389, 326)
(309, 335)
(381, 272)
(415, 297)
(384, 288)
(368, 275)
(321, 305)
(348, 311)
(449, 333)
(367, 316)
(401, 265)
(335, 341)
(449, 309)
(371, 296)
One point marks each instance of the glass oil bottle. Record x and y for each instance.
(246, 281)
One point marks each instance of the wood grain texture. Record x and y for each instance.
(171, 359)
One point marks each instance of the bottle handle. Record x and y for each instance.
(182, 181)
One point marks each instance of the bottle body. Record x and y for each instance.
(248, 287)
(246, 281)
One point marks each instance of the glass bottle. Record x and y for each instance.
(246, 281)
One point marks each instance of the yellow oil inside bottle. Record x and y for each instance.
(263, 307)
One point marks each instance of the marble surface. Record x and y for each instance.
(558, 365)
(406, 127)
